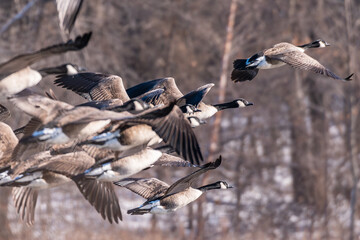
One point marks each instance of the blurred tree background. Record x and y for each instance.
(293, 156)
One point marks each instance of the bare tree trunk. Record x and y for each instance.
(222, 89)
(17, 16)
(319, 148)
(239, 186)
(223, 77)
(303, 178)
(351, 112)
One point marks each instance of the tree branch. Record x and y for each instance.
(17, 16)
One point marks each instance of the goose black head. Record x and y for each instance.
(67, 68)
(215, 185)
(72, 69)
(315, 44)
(243, 103)
(319, 44)
(224, 185)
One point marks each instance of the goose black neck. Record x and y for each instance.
(222, 106)
(315, 44)
(53, 70)
(211, 186)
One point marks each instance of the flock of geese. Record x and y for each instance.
(102, 142)
(117, 133)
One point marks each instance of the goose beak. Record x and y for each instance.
(249, 104)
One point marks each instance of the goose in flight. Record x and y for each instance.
(191, 103)
(44, 170)
(279, 55)
(114, 170)
(162, 198)
(62, 123)
(16, 74)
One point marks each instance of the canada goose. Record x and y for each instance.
(94, 86)
(16, 75)
(99, 86)
(114, 170)
(110, 86)
(115, 104)
(67, 68)
(205, 111)
(62, 123)
(162, 198)
(68, 11)
(166, 123)
(49, 117)
(279, 55)
(43, 171)
(191, 103)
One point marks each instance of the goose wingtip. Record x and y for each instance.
(349, 78)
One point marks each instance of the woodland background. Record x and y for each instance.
(293, 156)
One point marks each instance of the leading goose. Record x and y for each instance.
(279, 55)
(162, 198)
(16, 75)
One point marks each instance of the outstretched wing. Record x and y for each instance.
(243, 75)
(25, 202)
(68, 11)
(303, 61)
(169, 123)
(196, 96)
(144, 87)
(21, 61)
(94, 86)
(187, 181)
(102, 196)
(148, 188)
